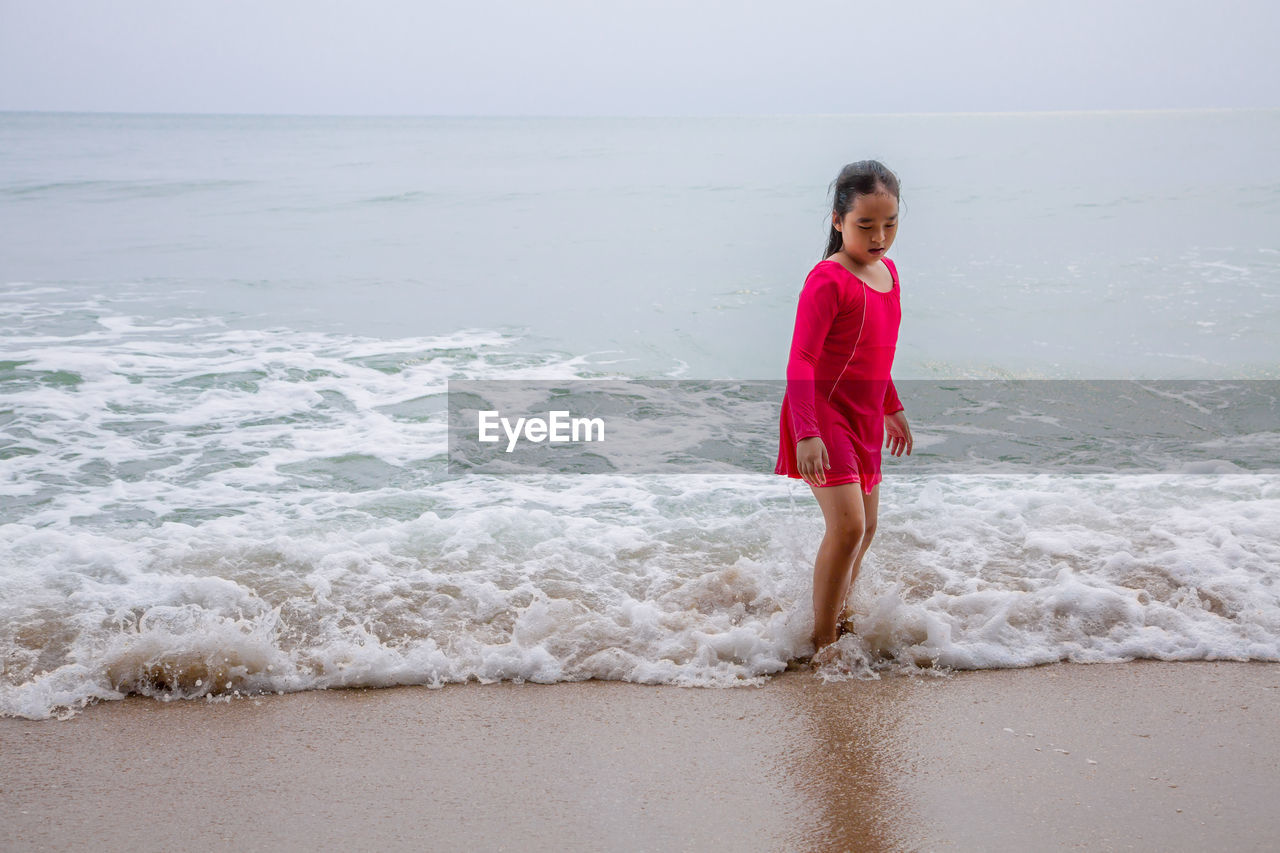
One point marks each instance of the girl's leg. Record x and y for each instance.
(871, 511)
(845, 514)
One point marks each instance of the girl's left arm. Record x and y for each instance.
(891, 402)
(897, 432)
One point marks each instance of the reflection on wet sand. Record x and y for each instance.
(848, 761)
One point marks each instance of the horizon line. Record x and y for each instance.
(215, 114)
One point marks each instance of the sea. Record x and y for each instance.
(228, 341)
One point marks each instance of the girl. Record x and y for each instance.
(840, 401)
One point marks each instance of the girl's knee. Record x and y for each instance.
(847, 536)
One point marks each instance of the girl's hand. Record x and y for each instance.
(897, 435)
(811, 459)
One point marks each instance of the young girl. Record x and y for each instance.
(840, 402)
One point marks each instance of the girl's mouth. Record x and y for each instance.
(876, 251)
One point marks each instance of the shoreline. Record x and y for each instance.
(1141, 755)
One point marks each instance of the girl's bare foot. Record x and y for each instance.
(846, 614)
(799, 663)
(824, 655)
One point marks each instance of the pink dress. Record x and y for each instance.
(838, 383)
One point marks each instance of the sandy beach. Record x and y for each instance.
(1137, 756)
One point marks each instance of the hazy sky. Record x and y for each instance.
(614, 57)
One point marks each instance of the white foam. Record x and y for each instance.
(263, 509)
(695, 581)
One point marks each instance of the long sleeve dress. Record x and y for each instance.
(838, 383)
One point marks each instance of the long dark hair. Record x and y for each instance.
(865, 177)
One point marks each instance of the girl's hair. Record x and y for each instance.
(865, 177)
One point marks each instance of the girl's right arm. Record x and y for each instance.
(819, 303)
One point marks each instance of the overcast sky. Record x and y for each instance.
(615, 57)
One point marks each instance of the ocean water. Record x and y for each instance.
(227, 342)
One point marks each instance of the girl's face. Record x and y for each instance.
(868, 229)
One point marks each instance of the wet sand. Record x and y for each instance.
(1137, 756)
